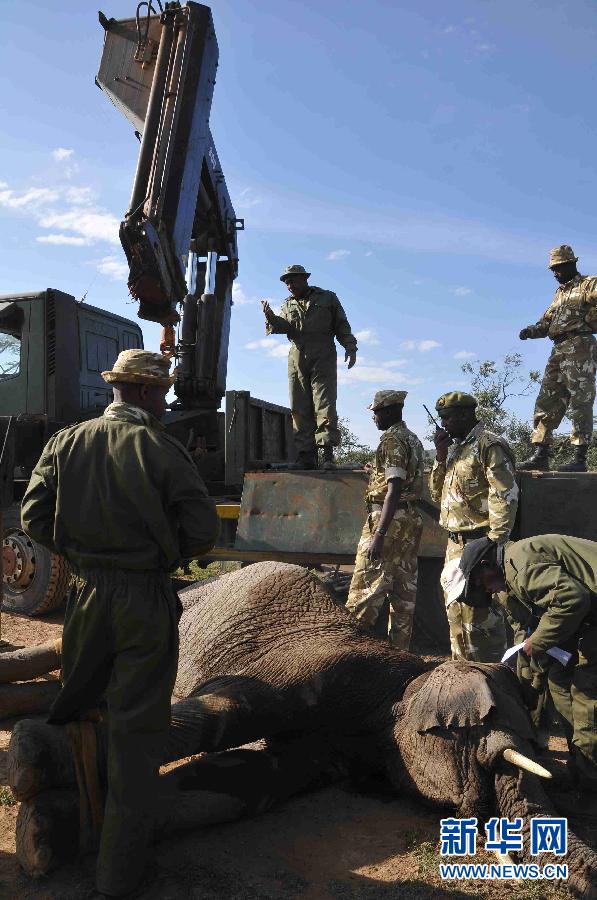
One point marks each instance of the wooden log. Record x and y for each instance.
(30, 662)
(27, 699)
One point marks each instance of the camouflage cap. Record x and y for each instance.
(141, 367)
(562, 254)
(388, 398)
(293, 270)
(456, 399)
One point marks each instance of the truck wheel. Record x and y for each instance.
(35, 580)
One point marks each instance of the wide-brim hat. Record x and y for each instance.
(456, 580)
(561, 255)
(387, 398)
(141, 367)
(294, 270)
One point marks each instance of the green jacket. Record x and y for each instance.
(554, 577)
(318, 318)
(117, 492)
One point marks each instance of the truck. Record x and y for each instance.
(179, 235)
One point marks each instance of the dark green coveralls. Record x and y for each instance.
(552, 583)
(123, 502)
(311, 324)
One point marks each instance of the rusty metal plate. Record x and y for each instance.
(302, 512)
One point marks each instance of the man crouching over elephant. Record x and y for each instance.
(123, 502)
(551, 580)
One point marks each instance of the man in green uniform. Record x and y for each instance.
(123, 502)
(386, 561)
(311, 318)
(568, 386)
(474, 478)
(551, 581)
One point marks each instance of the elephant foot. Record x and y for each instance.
(39, 758)
(47, 831)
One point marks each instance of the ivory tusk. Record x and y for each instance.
(504, 858)
(523, 762)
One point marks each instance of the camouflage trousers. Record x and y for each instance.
(477, 634)
(568, 388)
(391, 579)
(313, 389)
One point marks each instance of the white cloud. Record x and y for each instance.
(421, 346)
(374, 374)
(61, 153)
(68, 240)
(393, 363)
(247, 199)
(462, 291)
(26, 201)
(113, 267)
(273, 347)
(367, 336)
(464, 354)
(63, 210)
(94, 224)
(239, 298)
(80, 196)
(369, 253)
(337, 254)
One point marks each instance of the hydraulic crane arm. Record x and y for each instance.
(159, 71)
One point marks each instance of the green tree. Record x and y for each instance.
(350, 450)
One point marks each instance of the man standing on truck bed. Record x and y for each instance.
(474, 478)
(568, 386)
(311, 318)
(123, 502)
(386, 562)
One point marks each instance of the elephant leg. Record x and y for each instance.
(223, 713)
(227, 712)
(220, 787)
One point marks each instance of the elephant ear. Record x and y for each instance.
(464, 695)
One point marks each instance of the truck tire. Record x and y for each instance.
(35, 580)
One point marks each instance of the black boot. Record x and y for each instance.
(328, 457)
(579, 462)
(539, 461)
(305, 460)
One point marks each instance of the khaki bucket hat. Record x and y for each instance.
(141, 367)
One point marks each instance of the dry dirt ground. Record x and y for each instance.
(336, 844)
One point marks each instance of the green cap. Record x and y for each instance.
(560, 255)
(388, 398)
(293, 270)
(141, 367)
(456, 399)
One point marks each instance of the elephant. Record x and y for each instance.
(280, 690)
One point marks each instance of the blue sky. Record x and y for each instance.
(419, 158)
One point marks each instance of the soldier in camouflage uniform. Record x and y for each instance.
(123, 502)
(568, 386)
(474, 478)
(311, 318)
(386, 561)
(551, 585)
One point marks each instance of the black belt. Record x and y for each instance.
(564, 337)
(374, 507)
(461, 537)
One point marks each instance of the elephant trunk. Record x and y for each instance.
(523, 797)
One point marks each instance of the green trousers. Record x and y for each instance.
(313, 389)
(120, 642)
(573, 689)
